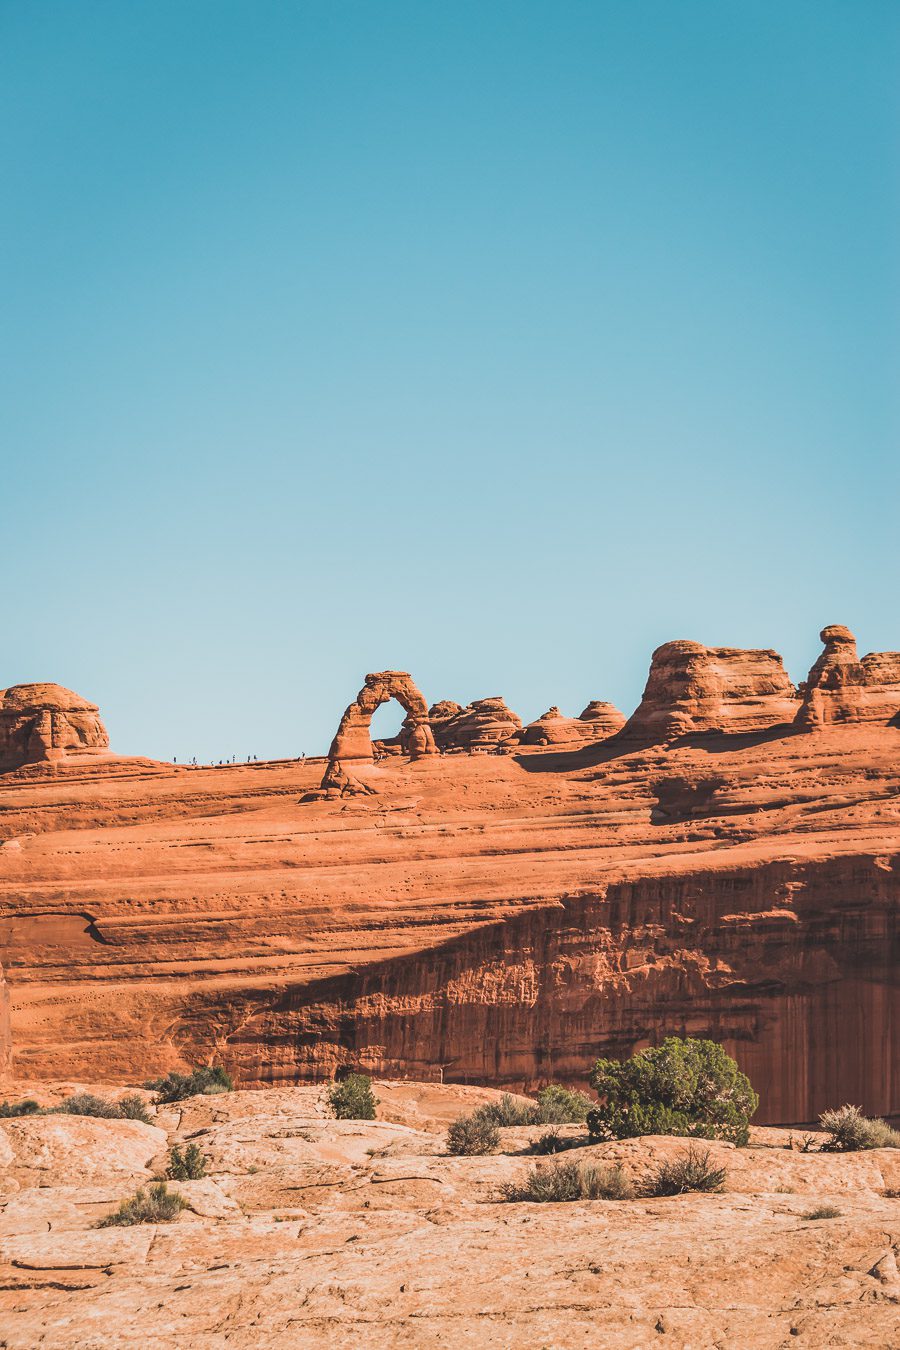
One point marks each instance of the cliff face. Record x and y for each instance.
(791, 966)
(499, 918)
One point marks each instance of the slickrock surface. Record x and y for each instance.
(508, 917)
(309, 1232)
(843, 688)
(41, 722)
(695, 688)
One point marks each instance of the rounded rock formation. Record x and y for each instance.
(483, 725)
(598, 721)
(694, 688)
(41, 723)
(842, 688)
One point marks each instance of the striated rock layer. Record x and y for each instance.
(695, 688)
(497, 918)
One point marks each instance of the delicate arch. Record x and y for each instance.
(353, 739)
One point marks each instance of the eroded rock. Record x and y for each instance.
(841, 687)
(41, 723)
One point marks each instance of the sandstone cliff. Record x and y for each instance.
(500, 918)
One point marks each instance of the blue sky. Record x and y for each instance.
(499, 342)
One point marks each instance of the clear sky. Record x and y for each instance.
(499, 342)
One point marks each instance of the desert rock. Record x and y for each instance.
(694, 688)
(41, 723)
(842, 688)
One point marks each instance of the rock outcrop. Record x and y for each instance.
(842, 688)
(41, 723)
(596, 723)
(353, 741)
(694, 688)
(483, 725)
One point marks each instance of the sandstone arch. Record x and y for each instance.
(353, 740)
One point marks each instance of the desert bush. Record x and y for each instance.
(189, 1165)
(561, 1181)
(554, 1105)
(551, 1141)
(557, 1105)
(86, 1104)
(692, 1171)
(205, 1081)
(507, 1111)
(851, 1131)
(472, 1136)
(352, 1098)
(133, 1107)
(160, 1206)
(9, 1110)
(687, 1087)
(823, 1212)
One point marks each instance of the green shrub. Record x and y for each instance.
(560, 1181)
(473, 1135)
(9, 1110)
(686, 1087)
(133, 1107)
(507, 1111)
(205, 1081)
(851, 1131)
(551, 1141)
(352, 1098)
(557, 1105)
(160, 1206)
(189, 1165)
(693, 1171)
(823, 1212)
(86, 1104)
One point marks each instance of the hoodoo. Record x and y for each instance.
(843, 688)
(41, 723)
(695, 688)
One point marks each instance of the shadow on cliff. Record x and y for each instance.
(617, 747)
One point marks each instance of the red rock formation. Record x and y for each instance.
(695, 688)
(502, 918)
(843, 688)
(596, 723)
(44, 722)
(483, 725)
(352, 739)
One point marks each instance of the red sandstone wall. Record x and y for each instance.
(793, 968)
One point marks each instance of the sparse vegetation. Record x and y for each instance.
(554, 1105)
(561, 1181)
(186, 1165)
(352, 1098)
(159, 1206)
(86, 1104)
(205, 1081)
(133, 1107)
(685, 1087)
(551, 1141)
(472, 1136)
(692, 1171)
(823, 1212)
(10, 1110)
(850, 1131)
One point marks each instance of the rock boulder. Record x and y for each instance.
(41, 723)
